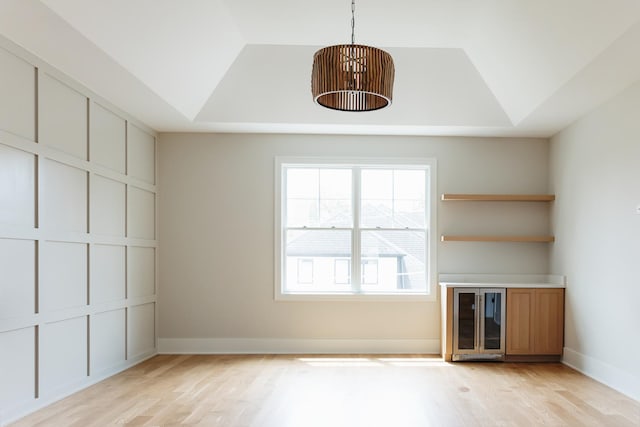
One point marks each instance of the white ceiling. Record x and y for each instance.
(463, 67)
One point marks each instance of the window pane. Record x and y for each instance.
(305, 270)
(302, 212)
(409, 184)
(393, 198)
(370, 271)
(377, 184)
(409, 195)
(342, 271)
(326, 250)
(318, 197)
(376, 198)
(302, 197)
(400, 261)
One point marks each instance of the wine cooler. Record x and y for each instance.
(478, 324)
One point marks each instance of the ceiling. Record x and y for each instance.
(463, 67)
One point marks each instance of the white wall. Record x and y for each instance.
(217, 226)
(77, 236)
(596, 177)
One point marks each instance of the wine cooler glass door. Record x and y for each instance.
(465, 335)
(492, 320)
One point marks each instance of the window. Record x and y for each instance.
(354, 228)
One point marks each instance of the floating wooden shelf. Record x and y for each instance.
(543, 239)
(499, 197)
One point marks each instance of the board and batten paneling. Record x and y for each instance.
(140, 154)
(108, 139)
(108, 273)
(62, 116)
(63, 275)
(63, 197)
(141, 330)
(18, 103)
(107, 348)
(108, 200)
(141, 271)
(17, 359)
(17, 187)
(17, 287)
(64, 358)
(77, 236)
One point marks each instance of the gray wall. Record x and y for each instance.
(596, 177)
(216, 220)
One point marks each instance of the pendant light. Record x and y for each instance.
(352, 77)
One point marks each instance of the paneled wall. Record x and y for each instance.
(77, 236)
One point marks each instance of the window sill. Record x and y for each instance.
(317, 297)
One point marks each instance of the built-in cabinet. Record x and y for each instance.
(535, 322)
(481, 324)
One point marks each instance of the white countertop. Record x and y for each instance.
(501, 281)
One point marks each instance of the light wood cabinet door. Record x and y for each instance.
(549, 321)
(520, 311)
(535, 321)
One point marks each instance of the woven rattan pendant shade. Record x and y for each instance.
(352, 77)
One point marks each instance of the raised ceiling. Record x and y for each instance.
(463, 67)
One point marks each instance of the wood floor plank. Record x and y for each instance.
(352, 390)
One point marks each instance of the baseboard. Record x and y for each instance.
(296, 346)
(619, 380)
(9, 415)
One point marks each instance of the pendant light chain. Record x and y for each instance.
(353, 21)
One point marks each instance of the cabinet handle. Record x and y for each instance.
(477, 323)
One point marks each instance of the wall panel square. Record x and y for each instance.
(141, 271)
(107, 347)
(63, 354)
(17, 277)
(62, 117)
(17, 96)
(63, 197)
(63, 275)
(140, 214)
(141, 329)
(141, 154)
(17, 187)
(17, 366)
(107, 273)
(107, 139)
(108, 201)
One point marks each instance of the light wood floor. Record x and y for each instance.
(328, 391)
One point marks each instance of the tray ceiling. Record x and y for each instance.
(463, 67)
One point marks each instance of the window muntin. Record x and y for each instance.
(375, 214)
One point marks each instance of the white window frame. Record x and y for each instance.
(429, 164)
